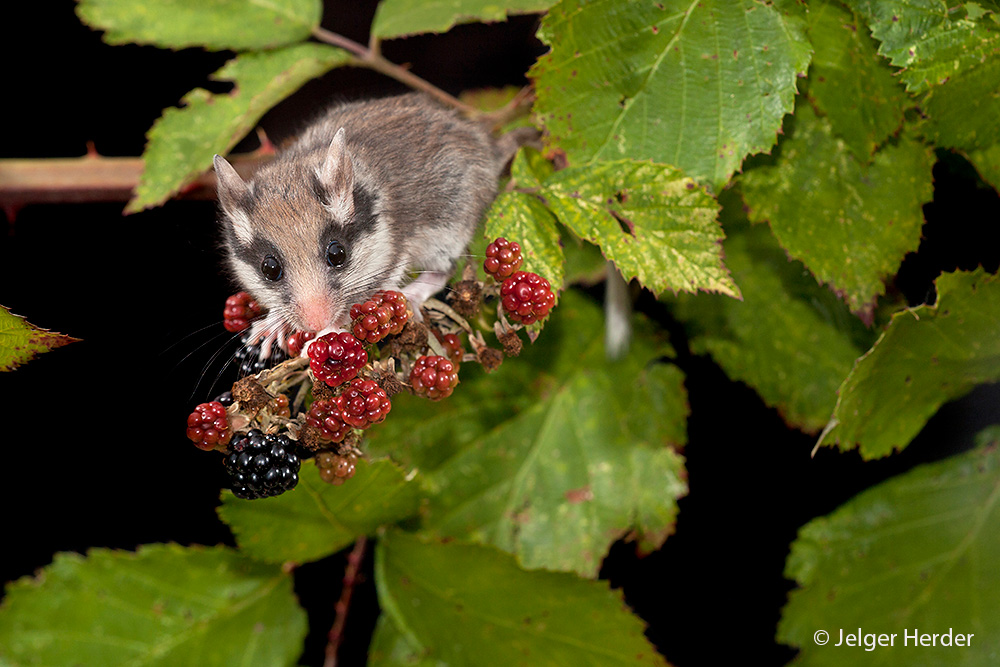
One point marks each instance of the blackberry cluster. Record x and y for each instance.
(382, 315)
(434, 377)
(336, 358)
(240, 309)
(363, 403)
(526, 297)
(324, 415)
(503, 258)
(208, 426)
(249, 359)
(261, 465)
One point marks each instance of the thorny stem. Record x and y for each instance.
(336, 636)
(371, 58)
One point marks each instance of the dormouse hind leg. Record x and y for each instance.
(423, 287)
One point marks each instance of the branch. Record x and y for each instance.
(91, 178)
(354, 560)
(371, 58)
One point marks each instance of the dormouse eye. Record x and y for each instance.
(271, 268)
(336, 254)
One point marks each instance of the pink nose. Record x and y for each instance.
(315, 314)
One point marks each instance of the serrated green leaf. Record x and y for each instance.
(399, 18)
(928, 40)
(215, 25)
(952, 53)
(654, 223)
(392, 648)
(698, 85)
(790, 339)
(317, 519)
(184, 140)
(163, 605)
(963, 112)
(547, 457)
(851, 224)
(987, 163)
(849, 82)
(471, 605)
(916, 553)
(21, 341)
(927, 356)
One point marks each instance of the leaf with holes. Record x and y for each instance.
(915, 553)
(465, 604)
(850, 223)
(212, 25)
(163, 605)
(927, 356)
(399, 18)
(184, 140)
(317, 519)
(699, 85)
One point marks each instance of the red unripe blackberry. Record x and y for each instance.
(297, 341)
(383, 314)
(503, 258)
(324, 415)
(363, 403)
(453, 346)
(433, 377)
(208, 426)
(240, 309)
(336, 358)
(336, 469)
(526, 297)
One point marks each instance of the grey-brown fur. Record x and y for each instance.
(404, 188)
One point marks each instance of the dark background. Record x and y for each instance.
(94, 450)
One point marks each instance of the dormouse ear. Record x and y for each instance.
(337, 176)
(234, 197)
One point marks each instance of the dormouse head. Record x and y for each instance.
(299, 235)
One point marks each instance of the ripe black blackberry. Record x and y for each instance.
(249, 360)
(262, 465)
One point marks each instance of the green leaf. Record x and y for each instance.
(655, 224)
(399, 18)
(851, 224)
(214, 25)
(318, 519)
(163, 605)
(917, 553)
(556, 454)
(791, 340)
(954, 54)
(929, 41)
(927, 356)
(21, 341)
(849, 82)
(184, 140)
(698, 85)
(987, 163)
(391, 647)
(963, 112)
(471, 605)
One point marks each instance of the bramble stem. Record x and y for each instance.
(336, 636)
(371, 58)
